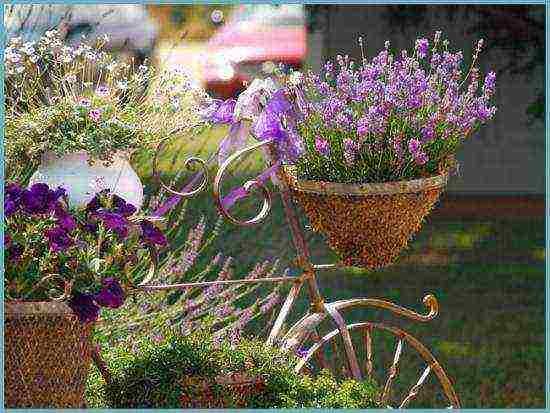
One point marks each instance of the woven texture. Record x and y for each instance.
(233, 391)
(47, 356)
(367, 231)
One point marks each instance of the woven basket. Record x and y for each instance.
(199, 393)
(47, 355)
(366, 224)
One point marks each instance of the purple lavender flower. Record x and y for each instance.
(111, 295)
(422, 48)
(420, 158)
(414, 146)
(84, 307)
(152, 235)
(322, 146)
(58, 239)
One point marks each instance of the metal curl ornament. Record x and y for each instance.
(187, 164)
(255, 183)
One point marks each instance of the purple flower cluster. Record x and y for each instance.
(414, 99)
(39, 225)
(86, 306)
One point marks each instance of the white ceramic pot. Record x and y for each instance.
(82, 181)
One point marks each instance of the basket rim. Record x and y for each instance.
(383, 188)
(22, 308)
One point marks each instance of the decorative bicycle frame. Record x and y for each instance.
(306, 327)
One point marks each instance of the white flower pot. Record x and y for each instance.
(82, 181)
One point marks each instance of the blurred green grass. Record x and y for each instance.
(488, 276)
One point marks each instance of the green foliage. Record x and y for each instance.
(150, 375)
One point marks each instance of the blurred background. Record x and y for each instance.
(481, 252)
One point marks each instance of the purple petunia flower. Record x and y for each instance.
(40, 199)
(112, 294)
(58, 239)
(152, 235)
(64, 219)
(12, 200)
(84, 307)
(115, 222)
(322, 146)
(120, 206)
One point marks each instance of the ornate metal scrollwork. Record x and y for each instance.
(188, 165)
(247, 187)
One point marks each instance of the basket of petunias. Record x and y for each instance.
(379, 140)
(61, 266)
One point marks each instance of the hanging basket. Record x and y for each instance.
(366, 224)
(47, 355)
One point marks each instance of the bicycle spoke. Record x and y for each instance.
(392, 372)
(413, 392)
(368, 345)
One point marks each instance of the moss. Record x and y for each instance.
(177, 370)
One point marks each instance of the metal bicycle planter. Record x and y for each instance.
(306, 332)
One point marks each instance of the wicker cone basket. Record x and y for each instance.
(368, 225)
(47, 355)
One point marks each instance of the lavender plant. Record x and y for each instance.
(395, 117)
(227, 310)
(88, 257)
(65, 99)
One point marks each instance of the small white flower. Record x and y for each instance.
(34, 58)
(51, 33)
(91, 56)
(98, 184)
(122, 84)
(15, 41)
(14, 57)
(295, 78)
(20, 69)
(70, 78)
(66, 58)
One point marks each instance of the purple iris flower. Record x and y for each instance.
(278, 103)
(414, 146)
(40, 199)
(153, 235)
(84, 307)
(58, 239)
(115, 222)
(111, 295)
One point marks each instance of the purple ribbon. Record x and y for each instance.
(240, 192)
(268, 125)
